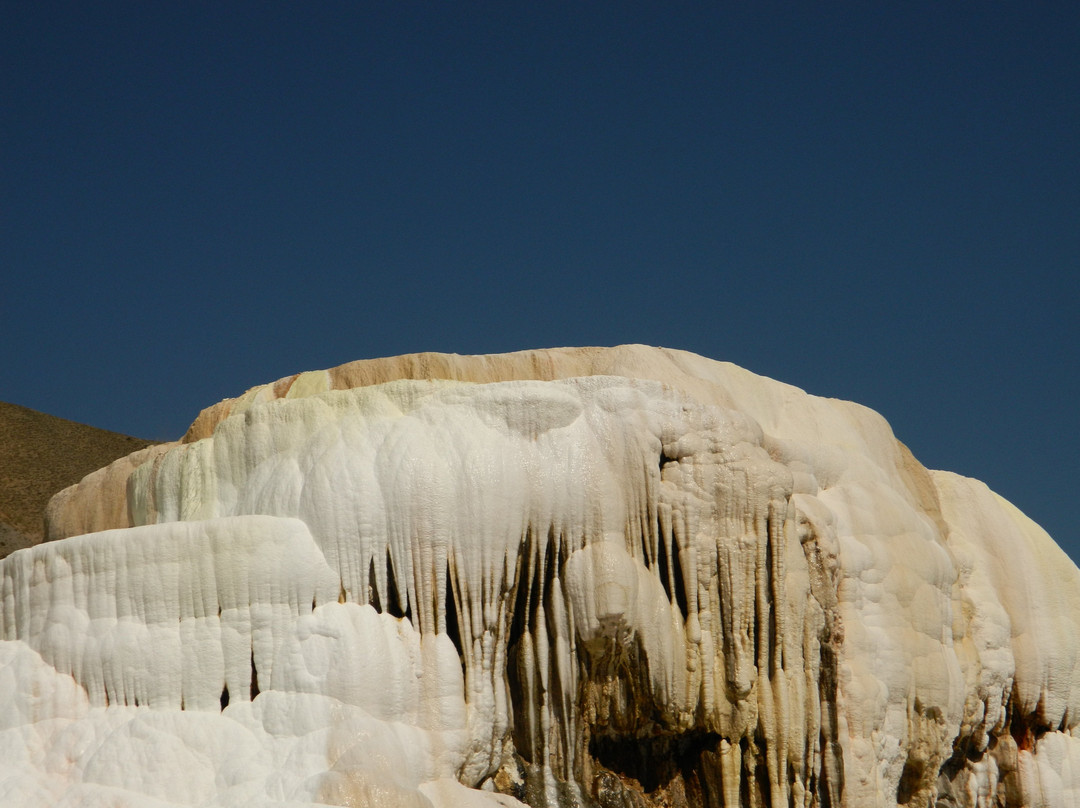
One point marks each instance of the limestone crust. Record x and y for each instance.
(628, 576)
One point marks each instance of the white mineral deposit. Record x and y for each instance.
(624, 577)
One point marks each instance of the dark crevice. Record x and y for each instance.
(453, 625)
(394, 598)
(744, 781)
(646, 555)
(521, 597)
(830, 784)
(820, 786)
(373, 587)
(224, 697)
(680, 584)
(254, 677)
(811, 781)
(1026, 730)
(654, 762)
(544, 576)
(519, 621)
(761, 782)
(662, 563)
(910, 780)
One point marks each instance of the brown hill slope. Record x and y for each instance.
(39, 455)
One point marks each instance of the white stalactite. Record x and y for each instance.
(402, 591)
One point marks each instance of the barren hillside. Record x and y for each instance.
(39, 455)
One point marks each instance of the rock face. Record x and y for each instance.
(621, 577)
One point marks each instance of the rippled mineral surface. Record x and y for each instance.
(617, 577)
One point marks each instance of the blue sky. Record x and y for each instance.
(872, 201)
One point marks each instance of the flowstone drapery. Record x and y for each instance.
(617, 576)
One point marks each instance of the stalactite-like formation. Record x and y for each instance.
(595, 590)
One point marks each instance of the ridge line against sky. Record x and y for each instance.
(880, 204)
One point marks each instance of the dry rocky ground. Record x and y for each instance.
(39, 455)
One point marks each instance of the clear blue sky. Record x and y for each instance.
(873, 201)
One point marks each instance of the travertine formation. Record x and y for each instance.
(624, 577)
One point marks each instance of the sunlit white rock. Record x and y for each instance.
(350, 587)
